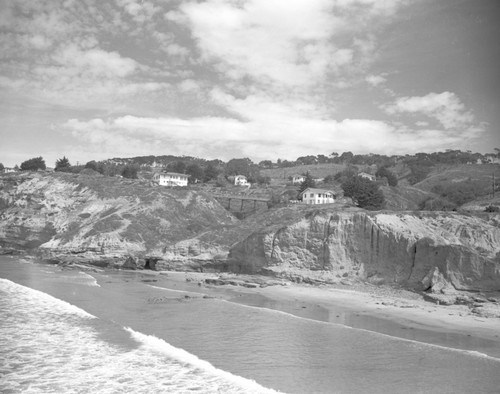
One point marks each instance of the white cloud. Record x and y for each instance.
(282, 133)
(94, 61)
(286, 42)
(375, 80)
(445, 107)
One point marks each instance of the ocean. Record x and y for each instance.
(64, 331)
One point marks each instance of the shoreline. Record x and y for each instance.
(389, 311)
(393, 312)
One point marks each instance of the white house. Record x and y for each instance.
(298, 179)
(367, 176)
(317, 196)
(241, 180)
(170, 179)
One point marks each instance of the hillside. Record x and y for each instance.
(480, 174)
(129, 223)
(280, 175)
(95, 217)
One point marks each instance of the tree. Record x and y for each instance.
(93, 165)
(34, 164)
(130, 171)
(196, 173)
(2, 167)
(240, 167)
(364, 193)
(266, 164)
(177, 166)
(62, 164)
(383, 172)
(306, 183)
(211, 172)
(346, 157)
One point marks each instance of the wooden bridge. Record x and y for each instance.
(240, 201)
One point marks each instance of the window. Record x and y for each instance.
(312, 195)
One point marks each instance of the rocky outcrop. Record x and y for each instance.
(87, 218)
(393, 248)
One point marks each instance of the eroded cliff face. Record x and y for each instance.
(393, 248)
(93, 217)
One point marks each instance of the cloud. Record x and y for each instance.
(290, 43)
(445, 107)
(269, 137)
(375, 80)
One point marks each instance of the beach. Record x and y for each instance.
(285, 337)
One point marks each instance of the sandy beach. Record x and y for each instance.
(394, 312)
(290, 337)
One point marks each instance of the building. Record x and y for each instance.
(367, 176)
(241, 180)
(317, 196)
(171, 179)
(296, 179)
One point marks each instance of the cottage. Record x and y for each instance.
(367, 176)
(241, 180)
(317, 196)
(171, 179)
(297, 179)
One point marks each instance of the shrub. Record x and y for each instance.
(364, 193)
(34, 164)
(492, 208)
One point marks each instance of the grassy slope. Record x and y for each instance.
(280, 175)
(481, 173)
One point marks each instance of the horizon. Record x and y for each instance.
(219, 79)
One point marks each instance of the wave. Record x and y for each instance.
(155, 344)
(50, 345)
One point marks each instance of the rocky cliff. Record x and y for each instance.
(120, 222)
(91, 217)
(418, 250)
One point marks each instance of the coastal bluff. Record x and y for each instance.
(446, 250)
(121, 223)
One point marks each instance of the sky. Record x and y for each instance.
(263, 79)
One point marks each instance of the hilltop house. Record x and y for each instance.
(317, 196)
(241, 180)
(170, 179)
(367, 176)
(296, 179)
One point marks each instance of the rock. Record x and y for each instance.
(130, 263)
(442, 252)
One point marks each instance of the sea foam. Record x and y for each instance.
(51, 346)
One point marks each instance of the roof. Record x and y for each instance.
(315, 190)
(173, 173)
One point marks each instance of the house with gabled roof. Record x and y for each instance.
(367, 176)
(170, 179)
(241, 180)
(297, 178)
(317, 196)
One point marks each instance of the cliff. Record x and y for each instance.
(95, 218)
(118, 222)
(414, 250)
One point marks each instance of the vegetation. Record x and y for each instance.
(62, 164)
(383, 172)
(130, 171)
(2, 167)
(34, 164)
(458, 192)
(306, 183)
(492, 208)
(364, 193)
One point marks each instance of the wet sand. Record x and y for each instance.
(392, 312)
